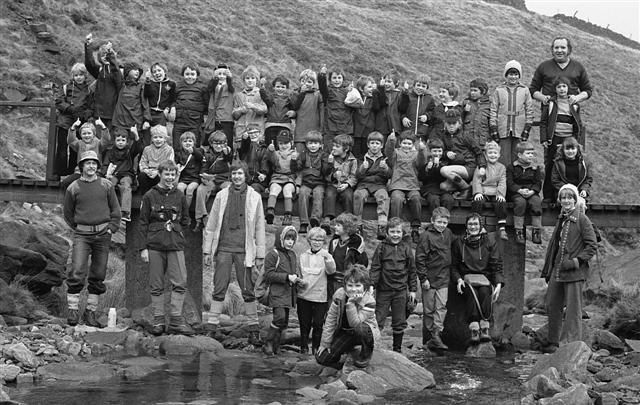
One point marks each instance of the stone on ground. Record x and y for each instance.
(576, 395)
(546, 384)
(22, 354)
(570, 360)
(78, 371)
(187, 345)
(604, 339)
(9, 372)
(311, 393)
(482, 350)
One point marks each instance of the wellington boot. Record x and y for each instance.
(178, 326)
(535, 236)
(436, 343)
(158, 326)
(397, 342)
(269, 342)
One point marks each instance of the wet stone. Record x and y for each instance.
(484, 350)
(594, 366)
(9, 372)
(311, 393)
(607, 374)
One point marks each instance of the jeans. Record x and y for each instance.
(344, 341)
(332, 194)
(96, 246)
(303, 203)
(500, 207)
(397, 300)
(415, 205)
(280, 317)
(382, 199)
(124, 185)
(520, 204)
(222, 276)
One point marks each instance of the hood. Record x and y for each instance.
(356, 242)
(512, 64)
(128, 67)
(282, 231)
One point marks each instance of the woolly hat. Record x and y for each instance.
(284, 136)
(480, 84)
(452, 116)
(88, 155)
(129, 66)
(512, 64)
(580, 202)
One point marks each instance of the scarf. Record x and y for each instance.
(235, 205)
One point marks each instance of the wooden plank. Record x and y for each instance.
(42, 104)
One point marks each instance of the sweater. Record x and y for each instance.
(91, 203)
(433, 257)
(493, 183)
(191, 101)
(393, 267)
(314, 267)
(547, 71)
(152, 156)
(164, 215)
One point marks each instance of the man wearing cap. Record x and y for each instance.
(92, 210)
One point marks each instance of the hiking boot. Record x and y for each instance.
(303, 228)
(503, 234)
(484, 331)
(520, 236)
(178, 326)
(271, 213)
(90, 318)
(269, 345)
(535, 236)
(73, 316)
(436, 342)
(254, 338)
(314, 222)
(474, 327)
(415, 235)
(158, 326)
(286, 219)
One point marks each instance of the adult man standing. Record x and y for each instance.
(542, 89)
(92, 210)
(234, 235)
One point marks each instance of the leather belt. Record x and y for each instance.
(91, 228)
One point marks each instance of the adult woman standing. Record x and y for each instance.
(476, 264)
(566, 266)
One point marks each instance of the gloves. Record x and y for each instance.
(525, 132)
(567, 264)
(494, 133)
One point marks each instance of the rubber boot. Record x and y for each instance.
(304, 343)
(73, 312)
(397, 342)
(484, 331)
(213, 321)
(90, 317)
(179, 326)
(251, 311)
(270, 340)
(158, 327)
(475, 332)
(436, 342)
(276, 341)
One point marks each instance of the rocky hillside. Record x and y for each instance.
(461, 41)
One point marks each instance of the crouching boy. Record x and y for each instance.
(163, 216)
(350, 321)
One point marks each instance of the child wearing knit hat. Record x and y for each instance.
(492, 187)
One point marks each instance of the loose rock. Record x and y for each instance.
(576, 395)
(570, 360)
(22, 354)
(311, 393)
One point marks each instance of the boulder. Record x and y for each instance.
(311, 393)
(16, 260)
(187, 345)
(24, 378)
(20, 353)
(394, 371)
(362, 382)
(351, 397)
(520, 341)
(535, 290)
(632, 381)
(307, 367)
(78, 371)
(570, 360)
(603, 339)
(546, 384)
(9, 372)
(576, 395)
(3, 395)
(333, 387)
(482, 350)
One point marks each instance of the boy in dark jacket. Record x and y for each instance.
(220, 110)
(524, 182)
(388, 117)
(392, 269)
(102, 64)
(192, 99)
(253, 151)
(338, 118)
(476, 109)
(311, 180)
(347, 248)
(160, 93)
(132, 108)
(416, 107)
(307, 103)
(430, 177)
(118, 166)
(446, 102)
(373, 175)
(163, 216)
(214, 175)
(433, 265)
(365, 108)
(283, 275)
(189, 160)
(280, 109)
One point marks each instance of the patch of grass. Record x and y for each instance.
(17, 300)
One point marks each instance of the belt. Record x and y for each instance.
(91, 228)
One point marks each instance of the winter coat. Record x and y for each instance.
(511, 110)
(254, 154)
(254, 226)
(559, 179)
(314, 269)
(573, 239)
(191, 101)
(468, 152)
(355, 254)
(436, 120)
(404, 166)
(480, 256)
(122, 159)
(475, 118)
(217, 164)
(433, 257)
(388, 116)
(74, 101)
(163, 216)
(494, 182)
(548, 122)
(132, 108)
(219, 104)
(356, 313)
(255, 113)
(338, 115)
(191, 165)
(308, 107)
(277, 108)
(282, 166)
(524, 177)
(160, 95)
(344, 171)
(282, 293)
(109, 81)
(314, 168)
(413, 106)
(393, 267)
(374, 177)
(364, 115)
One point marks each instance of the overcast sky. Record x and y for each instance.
(622, 16)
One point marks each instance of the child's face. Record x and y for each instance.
(121, 142)
(570, 151)
(406, 145)
(475, 93)
(562, 90)
(284, 146)
(250, 82)
(87, 135)
(492, 155)
(452, 127)
(218, 146)
(313, 147)
(222, 74)
(134, 74)
(513, 78)
(367, 90)
(316, 243)
(473, 226)
(158, 73)
(190, 76)
(336, 79)
(280, 88)
(567, 201)
(353, 289)
(187, 144)
(527, 156)
(395, 234)
(375, 147)
(436, 152)
(338, 229)
(389, 84)
(288, 242)
(444, 95)
(338, 150)
(420, 88)
(79, 78)
(238, 177)
(167, 178)
(158, 140)
(254, 135)
(307, 84)
(440, 223)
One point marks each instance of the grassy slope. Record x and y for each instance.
(459, 41)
